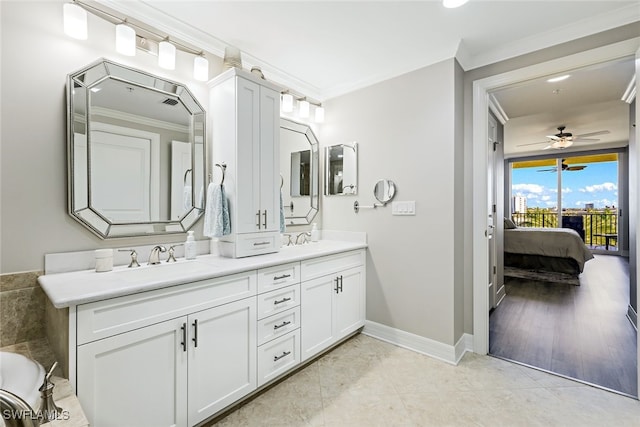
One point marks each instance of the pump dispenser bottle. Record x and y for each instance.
(190, 246)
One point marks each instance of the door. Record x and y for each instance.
(492, 138)
(182, 177)
(222, 357)
(349, 304)
(316, 313)
(136, 378)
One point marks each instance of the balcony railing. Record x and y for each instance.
(599, 230)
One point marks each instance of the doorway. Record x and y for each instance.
(481, 89)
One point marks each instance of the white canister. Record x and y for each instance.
(104, 260)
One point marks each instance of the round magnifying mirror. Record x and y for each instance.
(384, 190)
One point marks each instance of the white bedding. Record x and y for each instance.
(554, 242)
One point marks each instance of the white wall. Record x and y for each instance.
(406, 132)
(36, 58)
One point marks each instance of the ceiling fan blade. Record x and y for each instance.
(554, 137)
(532, 143)
(548, 146)
(575, 168)
(600, 132)
(548, 170)
(585, 139)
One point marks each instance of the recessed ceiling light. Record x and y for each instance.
(559, 79)
(453, 3)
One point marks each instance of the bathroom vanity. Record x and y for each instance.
(176, 344)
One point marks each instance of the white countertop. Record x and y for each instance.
(80, 287)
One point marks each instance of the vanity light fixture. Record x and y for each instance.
(287, 102)
(303, 108)
(75, 21)
(201, 68)
(453, 3)
(167, 55)
(125, 39)
(320, 114)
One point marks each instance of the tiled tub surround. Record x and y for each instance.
(122, 314)
(22, 308)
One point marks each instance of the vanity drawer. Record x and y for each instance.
(257, 243)
(102, 319)
(278, 301)
(317, 267)
(278, 277)
(278, 325)
(278, 356)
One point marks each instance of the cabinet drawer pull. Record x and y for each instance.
(258, 224)
(195, 333)
(282, 300)
(284, 354)
(184, 336)
(282, 325)
(265, 219)
(284, 276)
(261, 243)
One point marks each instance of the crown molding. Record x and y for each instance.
(119, 115)
(575, 30)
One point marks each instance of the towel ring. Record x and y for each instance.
(186, 173)
(223, 167)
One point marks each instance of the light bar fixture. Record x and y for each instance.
(75, 21)
(287, 102)
(201, 68)
(320, 114)
(303, 108)
(167, 55)
(125, 40)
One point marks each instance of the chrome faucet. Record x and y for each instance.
(16, 412)
(154, 256)
(305, 237)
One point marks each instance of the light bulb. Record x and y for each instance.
(166, 55)
(287, 103)
(201, 68)
(75, 21)
(453, 3)
(125, 40)
(319, 114)
(303, 108)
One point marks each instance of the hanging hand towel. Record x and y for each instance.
(281, 213)
(216, 213)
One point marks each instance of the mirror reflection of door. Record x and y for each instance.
(132, 193)
(301, 173)
(182, 191)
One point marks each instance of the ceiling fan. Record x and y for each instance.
(564, 139)
(565, 167)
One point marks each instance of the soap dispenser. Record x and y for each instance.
(315, 233)
(190, 246)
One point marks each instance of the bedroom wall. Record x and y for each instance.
(36, 58)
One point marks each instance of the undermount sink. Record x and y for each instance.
(150, 273)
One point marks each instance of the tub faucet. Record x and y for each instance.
(16, 412)
(154, 256)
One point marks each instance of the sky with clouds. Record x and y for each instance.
(597, 184)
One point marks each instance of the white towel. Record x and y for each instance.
(216, 214)
(186, 198)
(282, 227)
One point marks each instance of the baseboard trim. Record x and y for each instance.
(447, 353)
(632, 316)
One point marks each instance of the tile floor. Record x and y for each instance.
(367, 382)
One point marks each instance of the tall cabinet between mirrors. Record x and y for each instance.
(245, 112)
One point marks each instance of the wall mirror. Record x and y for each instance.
(299, 171)
(384, 190)
(341, 169)
(135, 150)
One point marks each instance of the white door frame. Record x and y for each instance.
(481, 89)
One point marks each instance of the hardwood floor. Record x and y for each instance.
(577, 331)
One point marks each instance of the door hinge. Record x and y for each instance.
(495, 270)
(494, 208)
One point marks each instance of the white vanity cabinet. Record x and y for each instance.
(245, 111)
(332, 300)
(172, 372)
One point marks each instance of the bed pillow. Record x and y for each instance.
(508, 224)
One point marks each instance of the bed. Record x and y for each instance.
(557, 250)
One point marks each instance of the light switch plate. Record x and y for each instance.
(403, 207)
